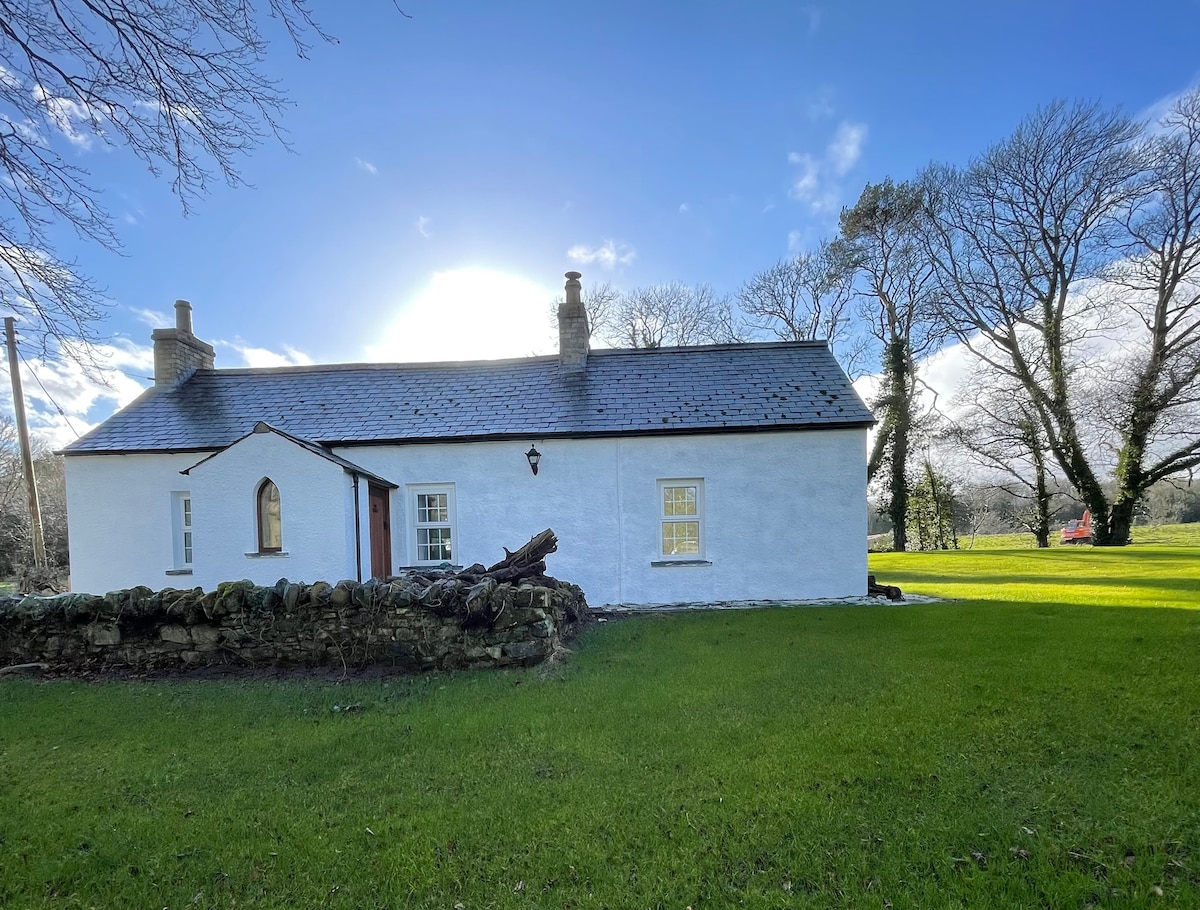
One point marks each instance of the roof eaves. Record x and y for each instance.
(603, 434)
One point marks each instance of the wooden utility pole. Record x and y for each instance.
(35, 507)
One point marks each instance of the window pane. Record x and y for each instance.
(187, 513)
(187, 548)
(432, 507)
(270, 531)
(433, 544)
(679, 501)
(680, 538)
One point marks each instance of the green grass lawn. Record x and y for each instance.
(1033, 743)
(1170, 535)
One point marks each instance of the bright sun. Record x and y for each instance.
(469, 314)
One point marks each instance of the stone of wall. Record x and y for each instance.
(411, 625)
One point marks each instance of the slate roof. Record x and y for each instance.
(319, 450)
(693, 390)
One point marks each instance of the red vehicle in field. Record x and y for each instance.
(1078, 531)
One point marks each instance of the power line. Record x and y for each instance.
(48, 395)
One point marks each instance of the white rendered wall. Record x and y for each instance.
(785, 513)
(315, 499)
(119, 519)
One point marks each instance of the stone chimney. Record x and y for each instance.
(572, 329)
(177, 352)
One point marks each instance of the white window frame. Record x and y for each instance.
(663, 485)
(183, 538)
(416, 526)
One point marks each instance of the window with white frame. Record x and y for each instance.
(181, 528)
(681, 518)
(433, 523)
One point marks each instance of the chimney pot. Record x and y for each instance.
(573, 288)
(183, 316)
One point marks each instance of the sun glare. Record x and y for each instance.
(468, 314)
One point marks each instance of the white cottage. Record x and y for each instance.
(723, 472)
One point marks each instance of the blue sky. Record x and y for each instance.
(445, 170)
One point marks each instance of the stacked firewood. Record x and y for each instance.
(528, 564)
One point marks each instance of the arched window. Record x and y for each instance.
(270, 528)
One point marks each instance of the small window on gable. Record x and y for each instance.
(270, 526)
(681, 518)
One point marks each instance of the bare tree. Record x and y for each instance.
(668, 315)
(1024, 249)
(12, 480)
(1158, 274)
(996, 427)
(178, 83)
(807, 298)
(883, 230)
(931, 508)
(15, 540)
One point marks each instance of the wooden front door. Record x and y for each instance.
(381, 531)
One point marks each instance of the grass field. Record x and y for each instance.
(1169, 535)
(1033, 743)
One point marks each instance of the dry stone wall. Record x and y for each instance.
(430, 622)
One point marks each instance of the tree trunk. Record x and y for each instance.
(1120, 520)
(899, 370)
(1041, 528)
(1130, 474)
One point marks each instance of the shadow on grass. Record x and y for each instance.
(1186, 585)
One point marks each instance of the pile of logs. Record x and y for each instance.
(528, 564)
(473, 592)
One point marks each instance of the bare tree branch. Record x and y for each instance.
(178, 83)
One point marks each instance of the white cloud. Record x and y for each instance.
(846, 148)
(66, 114)
(493, 315)
(264, 357)
(684, 208)
(366, 167)
(609, 254)
(156, 319)
(25, 128)
(806, 184)
(795, 239)
(945, 371)
(816, 181)
(423, 226)
(1154, 114)
(126, 369)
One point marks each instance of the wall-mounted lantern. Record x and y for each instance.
(534, 456)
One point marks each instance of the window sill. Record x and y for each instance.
(272, 555)
(672, 563)
(178, 572)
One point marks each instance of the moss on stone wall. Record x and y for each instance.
(431, 622)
